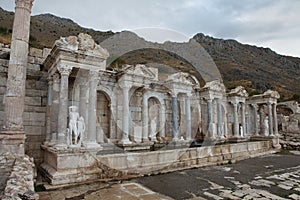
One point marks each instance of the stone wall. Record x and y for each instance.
(20, 182)
(35, 101)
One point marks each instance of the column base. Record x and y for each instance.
(125, 141)
(60, 146)
(92, 145)
(145, 140)
(12, 141)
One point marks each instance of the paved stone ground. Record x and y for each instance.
(275, 176)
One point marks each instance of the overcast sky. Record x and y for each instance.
(267, 23)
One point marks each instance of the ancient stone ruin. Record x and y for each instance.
(83, 121)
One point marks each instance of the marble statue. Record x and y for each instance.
(81, 129)
(266, 126)
(153, 128)
(76, 126)
(241, 131)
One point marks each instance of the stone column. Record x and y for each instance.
(48, 112)
(64, 71)
(270, 119)
(175, 117)
(243, 113)
(83, 108)
(92, 109)
(210, 118)
(255, 119)
(188, 118)
(162, 121)
(220, 119)
(12, 137)
(275, 119)
(235, 119)
(54, 109)
(125, 120)
(145, 119)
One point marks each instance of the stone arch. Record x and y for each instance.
(162, 113)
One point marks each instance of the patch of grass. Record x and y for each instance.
(284, 152)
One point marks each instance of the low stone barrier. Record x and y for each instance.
(290, 141)
(171, 160)
(64, 167)
(20, 183)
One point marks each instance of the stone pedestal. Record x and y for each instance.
(12, 141)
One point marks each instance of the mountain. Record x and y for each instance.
(255, 68)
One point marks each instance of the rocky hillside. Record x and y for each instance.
(256, 68)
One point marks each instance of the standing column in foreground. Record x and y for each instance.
(12, 137)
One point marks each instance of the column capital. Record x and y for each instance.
(64, 69)
(93, 75)
(50, 80)
(254, 105)
(125, 86)
(26, 4)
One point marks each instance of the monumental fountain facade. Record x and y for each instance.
(131, 121)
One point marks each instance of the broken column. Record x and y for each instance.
(12, 137)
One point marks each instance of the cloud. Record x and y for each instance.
(260, 22)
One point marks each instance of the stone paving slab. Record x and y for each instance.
(104, 191)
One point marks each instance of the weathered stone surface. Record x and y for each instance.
(20, 181)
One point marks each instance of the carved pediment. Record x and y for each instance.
(141, 70)
(272, 93)
(215, 85)
(84, 42)
(239, 91)
(180, 77)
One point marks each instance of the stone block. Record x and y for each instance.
(34, 67)
(42, 85)
(36, 93)
(30, 84)
(35, 52)
(33, 101)
(3, 80)
(2, 91)
(34, 130)
(46, 52)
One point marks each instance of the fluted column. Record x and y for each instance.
(270, 119)
(145, 119)
(15, 88)
(12, 135)
(54, 108)
(275, 119)
(125, 121)
(255, 119)
(235, 120)
(49, 107)
(210, 118)
(243, 113)
(92, 109)
(175, 117)
(188, 118)
(220, 119)
(64, 71)
(84, 108)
